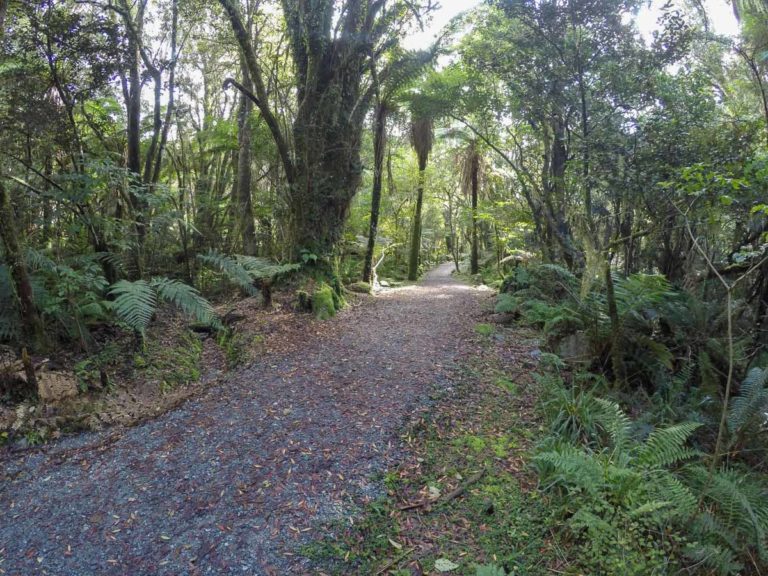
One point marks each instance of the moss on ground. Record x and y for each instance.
(500, 520)
(171, 366)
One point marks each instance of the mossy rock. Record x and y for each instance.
(303, 300)
(360, 287)
(324, 302)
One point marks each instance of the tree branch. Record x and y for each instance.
(243, 39)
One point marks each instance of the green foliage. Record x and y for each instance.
(489, 570)
(232, 269)
(245, 271)
(616, 493)
(135, 303)
(484, 329)
(171, 366)
(748, 410)
(505, 303)
(187, 299)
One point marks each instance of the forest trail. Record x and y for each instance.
(237, 481)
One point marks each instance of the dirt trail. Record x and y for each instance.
(237, 481)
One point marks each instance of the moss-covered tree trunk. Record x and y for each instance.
(332, 46)
(244, 204)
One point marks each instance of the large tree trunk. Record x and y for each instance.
(332, 49)
(379, 142)
(328, 173)
(32, 328)
(244, 171)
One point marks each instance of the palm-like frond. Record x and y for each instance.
(233, 270)
(135, 303)
(187, 299)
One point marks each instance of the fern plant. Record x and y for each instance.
(748, 416)
(136, 302)
(249, 273)
(678, 513)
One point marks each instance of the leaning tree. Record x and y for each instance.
(334, 46)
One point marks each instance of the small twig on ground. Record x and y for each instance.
(448, 497)
(395, 561)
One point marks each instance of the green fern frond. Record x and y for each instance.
(752, 402)
(135, 303)
(615, 422)
(262, 268)
(716, 558)
(739, 501)
(665, 447)
(187, 299)
(232, 269)
(37, 260)
(568, 465)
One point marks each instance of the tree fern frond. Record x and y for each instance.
(665, 446)
(187, 299)
(261, 268)
(135, 303)
(232, 269)
(37, 260)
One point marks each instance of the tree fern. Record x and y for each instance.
(262, 268)
(187, 299)
(232, 269)
(245, 270)
(135, 303)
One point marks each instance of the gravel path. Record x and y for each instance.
(237, 481)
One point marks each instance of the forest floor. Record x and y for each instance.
(384, 439)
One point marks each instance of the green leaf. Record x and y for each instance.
(445, 565)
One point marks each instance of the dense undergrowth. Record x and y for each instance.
(632, 468)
